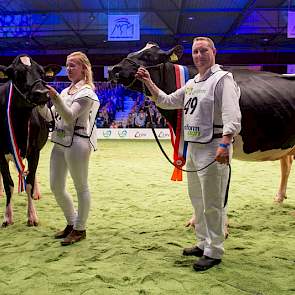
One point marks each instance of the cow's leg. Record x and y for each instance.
(36, 192)
(32, 214)
(286, 163)
(33, 159)
(8, 186)
(1, 186)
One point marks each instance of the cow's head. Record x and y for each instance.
(150, 56)
(28, 78)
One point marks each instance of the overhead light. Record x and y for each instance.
(191, 18)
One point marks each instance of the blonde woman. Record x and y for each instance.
(74, 110)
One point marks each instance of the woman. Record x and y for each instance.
(74, 136)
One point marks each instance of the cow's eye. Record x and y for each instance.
(41, 72)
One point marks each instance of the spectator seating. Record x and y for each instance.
(120, 107)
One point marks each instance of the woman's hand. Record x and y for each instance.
(52, 92)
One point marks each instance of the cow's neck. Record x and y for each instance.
(164, 78)
(20, 113)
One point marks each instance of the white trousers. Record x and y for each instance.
(207, 190)
(74, 159)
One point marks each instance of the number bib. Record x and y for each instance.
(198, 108)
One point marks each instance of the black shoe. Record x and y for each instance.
(63, 233)
(193, 251)
(205, 263)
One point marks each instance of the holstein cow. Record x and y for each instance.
(39, 131)
(23, 132)
(267, 105)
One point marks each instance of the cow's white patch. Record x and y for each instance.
(270, 155)
(148, 46)
(25, 60)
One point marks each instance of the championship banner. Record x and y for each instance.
(291, 24)
(123, 27)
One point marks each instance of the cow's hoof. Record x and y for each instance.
(279, 199)
(32, 223)
(36, 197)
(6, 223)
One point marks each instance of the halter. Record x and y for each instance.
(26, 97)
(138, 65)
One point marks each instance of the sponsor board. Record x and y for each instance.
(132, 133)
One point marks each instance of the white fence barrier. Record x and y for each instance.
(132, 133)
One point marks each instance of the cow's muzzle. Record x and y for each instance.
(36, 93)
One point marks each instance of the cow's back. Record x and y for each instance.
(268, 110)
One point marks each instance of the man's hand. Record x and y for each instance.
(222, 155)
(143, 74)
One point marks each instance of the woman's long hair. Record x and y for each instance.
(83, 59)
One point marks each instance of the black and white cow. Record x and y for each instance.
(267, 105)
(26, 89)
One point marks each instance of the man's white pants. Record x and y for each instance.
(207, 190)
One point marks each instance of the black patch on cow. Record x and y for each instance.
(268, 110)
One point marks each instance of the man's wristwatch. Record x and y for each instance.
(224, 145)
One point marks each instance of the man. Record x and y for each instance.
(210, 103)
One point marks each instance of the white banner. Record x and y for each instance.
(123, 27)
(132, 133)
(291, 24)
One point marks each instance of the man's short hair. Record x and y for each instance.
(210, 41)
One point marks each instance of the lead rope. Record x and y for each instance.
(160, 146)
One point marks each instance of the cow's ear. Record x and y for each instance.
(176, 53)
(51, 70)
(3, 73)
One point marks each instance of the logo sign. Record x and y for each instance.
(122, 133)
(107, 133)
(140, 134)
(291, 24)
(123, 27)
(163, 134)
